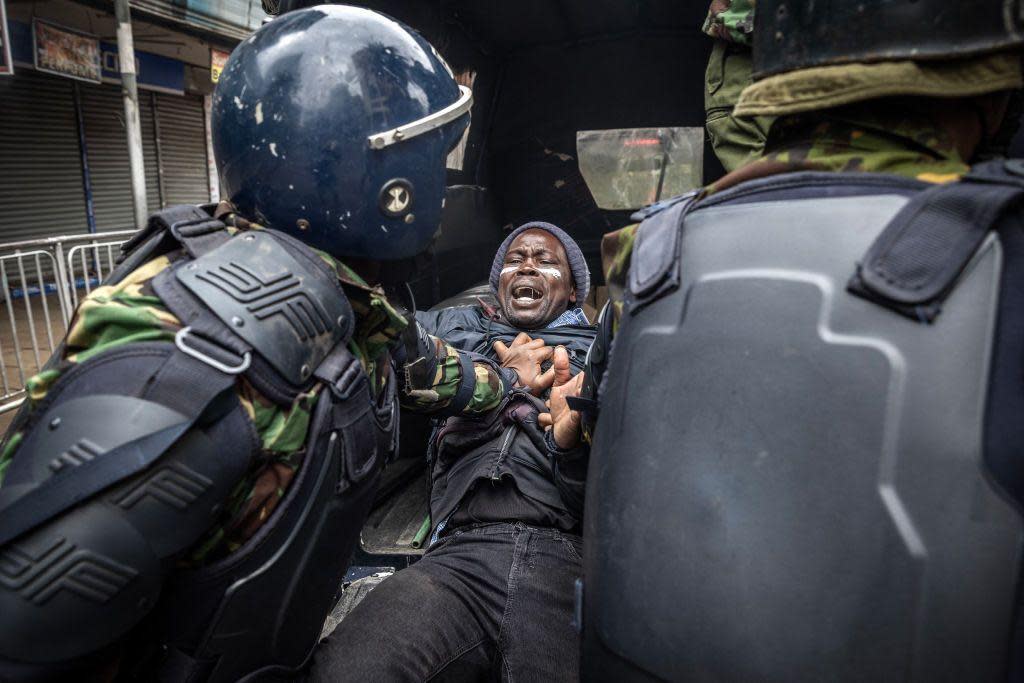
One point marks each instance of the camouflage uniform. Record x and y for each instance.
(730, 20)
(735, 140)
(130, 312)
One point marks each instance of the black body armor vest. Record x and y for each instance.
(808, 462)
(132, 454)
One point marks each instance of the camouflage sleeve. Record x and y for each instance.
(616, 251)
(432, 380)
(730, 20)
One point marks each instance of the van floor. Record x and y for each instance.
(399, 516)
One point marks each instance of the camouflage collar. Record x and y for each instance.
(855, 140)
(378, 323)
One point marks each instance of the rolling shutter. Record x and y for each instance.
(183, 149)
(106, 140)
(40, 164)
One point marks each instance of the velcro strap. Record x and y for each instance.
(653, 267)
(341, 371)
(913, 265)
(177, 398)
(196, 230)
(467, 385)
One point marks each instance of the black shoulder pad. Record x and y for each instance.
(105, 543)
(289, 306)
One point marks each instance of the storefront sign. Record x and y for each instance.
(6, 63)
(217, 61)
(64, 52)
(153, 72)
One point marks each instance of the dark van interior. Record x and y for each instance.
(549, 77)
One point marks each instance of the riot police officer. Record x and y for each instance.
(183, 492)
(833, 491)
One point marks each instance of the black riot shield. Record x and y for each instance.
(793, 483)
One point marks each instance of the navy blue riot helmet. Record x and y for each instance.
(332, 123)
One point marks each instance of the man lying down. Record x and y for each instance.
(493, 595)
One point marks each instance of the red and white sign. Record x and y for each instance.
(65, 52)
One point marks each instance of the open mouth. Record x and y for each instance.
(525, 294)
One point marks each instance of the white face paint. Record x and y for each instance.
(552, 272)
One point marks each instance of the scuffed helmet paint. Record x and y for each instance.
(292, 120)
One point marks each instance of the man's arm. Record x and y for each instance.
(438, 379)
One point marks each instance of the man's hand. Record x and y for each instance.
(524, 355)
(564, 421)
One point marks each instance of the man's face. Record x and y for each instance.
(536, 284)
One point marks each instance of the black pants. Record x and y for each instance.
(487, 602)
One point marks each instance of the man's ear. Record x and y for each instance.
(572, 295)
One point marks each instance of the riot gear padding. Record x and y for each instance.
(139, 447)
(326, 107)
(792, 35)
(835, 480)
(102, 563)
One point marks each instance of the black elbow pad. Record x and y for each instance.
(78, 582)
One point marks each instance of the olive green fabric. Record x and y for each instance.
(736, 141)
(827, 87)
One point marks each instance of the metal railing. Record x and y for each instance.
(39, 285)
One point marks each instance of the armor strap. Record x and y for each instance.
(654, 266)
(179, 396)
(464, 394)
(190, 226)
(915, 262)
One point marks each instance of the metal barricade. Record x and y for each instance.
(39, 283)
(88, 265)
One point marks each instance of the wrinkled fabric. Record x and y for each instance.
(826, 87)
(572, 317)
(868, 138)
(475, 329)
(501, 455)
(490, 602)
(735, 140)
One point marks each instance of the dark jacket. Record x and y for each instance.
(507, 442)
